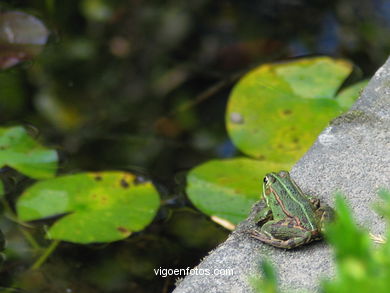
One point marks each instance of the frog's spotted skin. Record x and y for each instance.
(290, 218)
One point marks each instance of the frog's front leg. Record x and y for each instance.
(282, 234)
(263, 216)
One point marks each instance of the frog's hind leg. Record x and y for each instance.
(282, 234)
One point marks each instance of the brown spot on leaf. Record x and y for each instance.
(98, 178)
(123, 230)
(124, 183)
(287, 112)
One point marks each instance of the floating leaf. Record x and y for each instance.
(314, 77)
(348, 96)
(228, 188)
(99, 207)
(276, 111)
(19, 151)
(22, 37)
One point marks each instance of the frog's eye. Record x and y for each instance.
(265, 180)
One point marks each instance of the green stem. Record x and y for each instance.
(30, 239)
(48, 251)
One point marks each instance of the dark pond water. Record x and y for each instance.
(142, 86)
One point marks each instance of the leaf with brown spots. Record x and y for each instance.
(283, 107)
(102, 207)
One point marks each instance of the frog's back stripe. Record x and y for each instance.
(283, 207)
(296, 201)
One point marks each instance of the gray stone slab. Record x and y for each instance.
(351, 155)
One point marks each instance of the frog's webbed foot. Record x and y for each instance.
(282, 234)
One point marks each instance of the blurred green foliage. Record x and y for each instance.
(361, 266)
(268, 282)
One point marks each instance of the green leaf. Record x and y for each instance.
(361, 266)
(19, 151)
(348, 96)
(347, 238)
(228, 188)
(99, 207)
(265, 280)
(276, 111)
(314, 77)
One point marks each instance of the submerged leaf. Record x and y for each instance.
(99, 207)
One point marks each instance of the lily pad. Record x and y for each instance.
(276, 111)
(98, 207)
(228, 188)
(21, 152)
(314, 77)
(348, 96)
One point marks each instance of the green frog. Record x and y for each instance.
(289, 218)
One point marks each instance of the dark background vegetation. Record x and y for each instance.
(142, 86)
